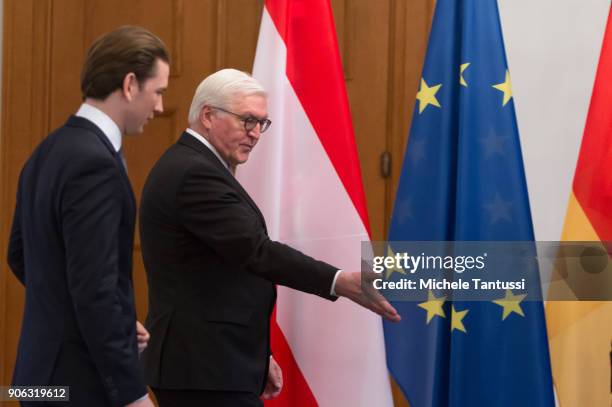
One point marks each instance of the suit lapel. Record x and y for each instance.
(190, 141)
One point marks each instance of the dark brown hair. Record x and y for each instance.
(117, 53)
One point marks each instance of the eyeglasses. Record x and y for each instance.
(249, 121)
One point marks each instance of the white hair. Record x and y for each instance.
(219, 89)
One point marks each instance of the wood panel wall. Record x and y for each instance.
(382, 44)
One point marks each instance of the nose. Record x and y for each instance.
(255, 132)
(159, 106)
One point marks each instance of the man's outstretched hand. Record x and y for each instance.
(349, 285)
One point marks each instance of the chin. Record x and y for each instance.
(133, 132)
(137, 129)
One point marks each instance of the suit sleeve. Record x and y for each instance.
(211, 209)
(15, 249)
(91, 211)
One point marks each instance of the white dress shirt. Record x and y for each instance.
(202, 140)
(103, 121)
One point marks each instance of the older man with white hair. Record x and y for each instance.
(211, 266)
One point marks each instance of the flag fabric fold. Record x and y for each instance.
(463, 180)
(304, 175)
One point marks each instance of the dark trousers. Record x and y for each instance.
(205, 398)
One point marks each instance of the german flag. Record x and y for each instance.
(580, 332)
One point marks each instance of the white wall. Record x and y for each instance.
(552, 47)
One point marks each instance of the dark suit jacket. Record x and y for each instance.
(71, 246)
(211, 270)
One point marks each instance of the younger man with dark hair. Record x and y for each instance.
(73, 228)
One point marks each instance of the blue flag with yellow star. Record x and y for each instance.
(463, 180)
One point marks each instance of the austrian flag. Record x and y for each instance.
(304, 175)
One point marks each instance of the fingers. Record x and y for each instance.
(276, 375)
(389, 312)
(379, 304)
(270, 392)
(382, 306)
(141, 332)
(274, 384)
(140, 329)
(384, 309)
(145, 402)
(358, 287)
(142, 337)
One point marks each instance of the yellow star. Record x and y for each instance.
(511, 303)
(393, 269)
(506, 88)
(433, 306)
(461, 69)
(427, 95)
(457, 320)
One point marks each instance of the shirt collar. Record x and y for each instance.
(207, 144)
(103, 121)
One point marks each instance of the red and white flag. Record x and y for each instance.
(304, 175)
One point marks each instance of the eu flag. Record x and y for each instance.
(463, 179)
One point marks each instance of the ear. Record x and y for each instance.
(130, 85)
(205, 117)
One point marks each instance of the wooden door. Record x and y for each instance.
(382, 45)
